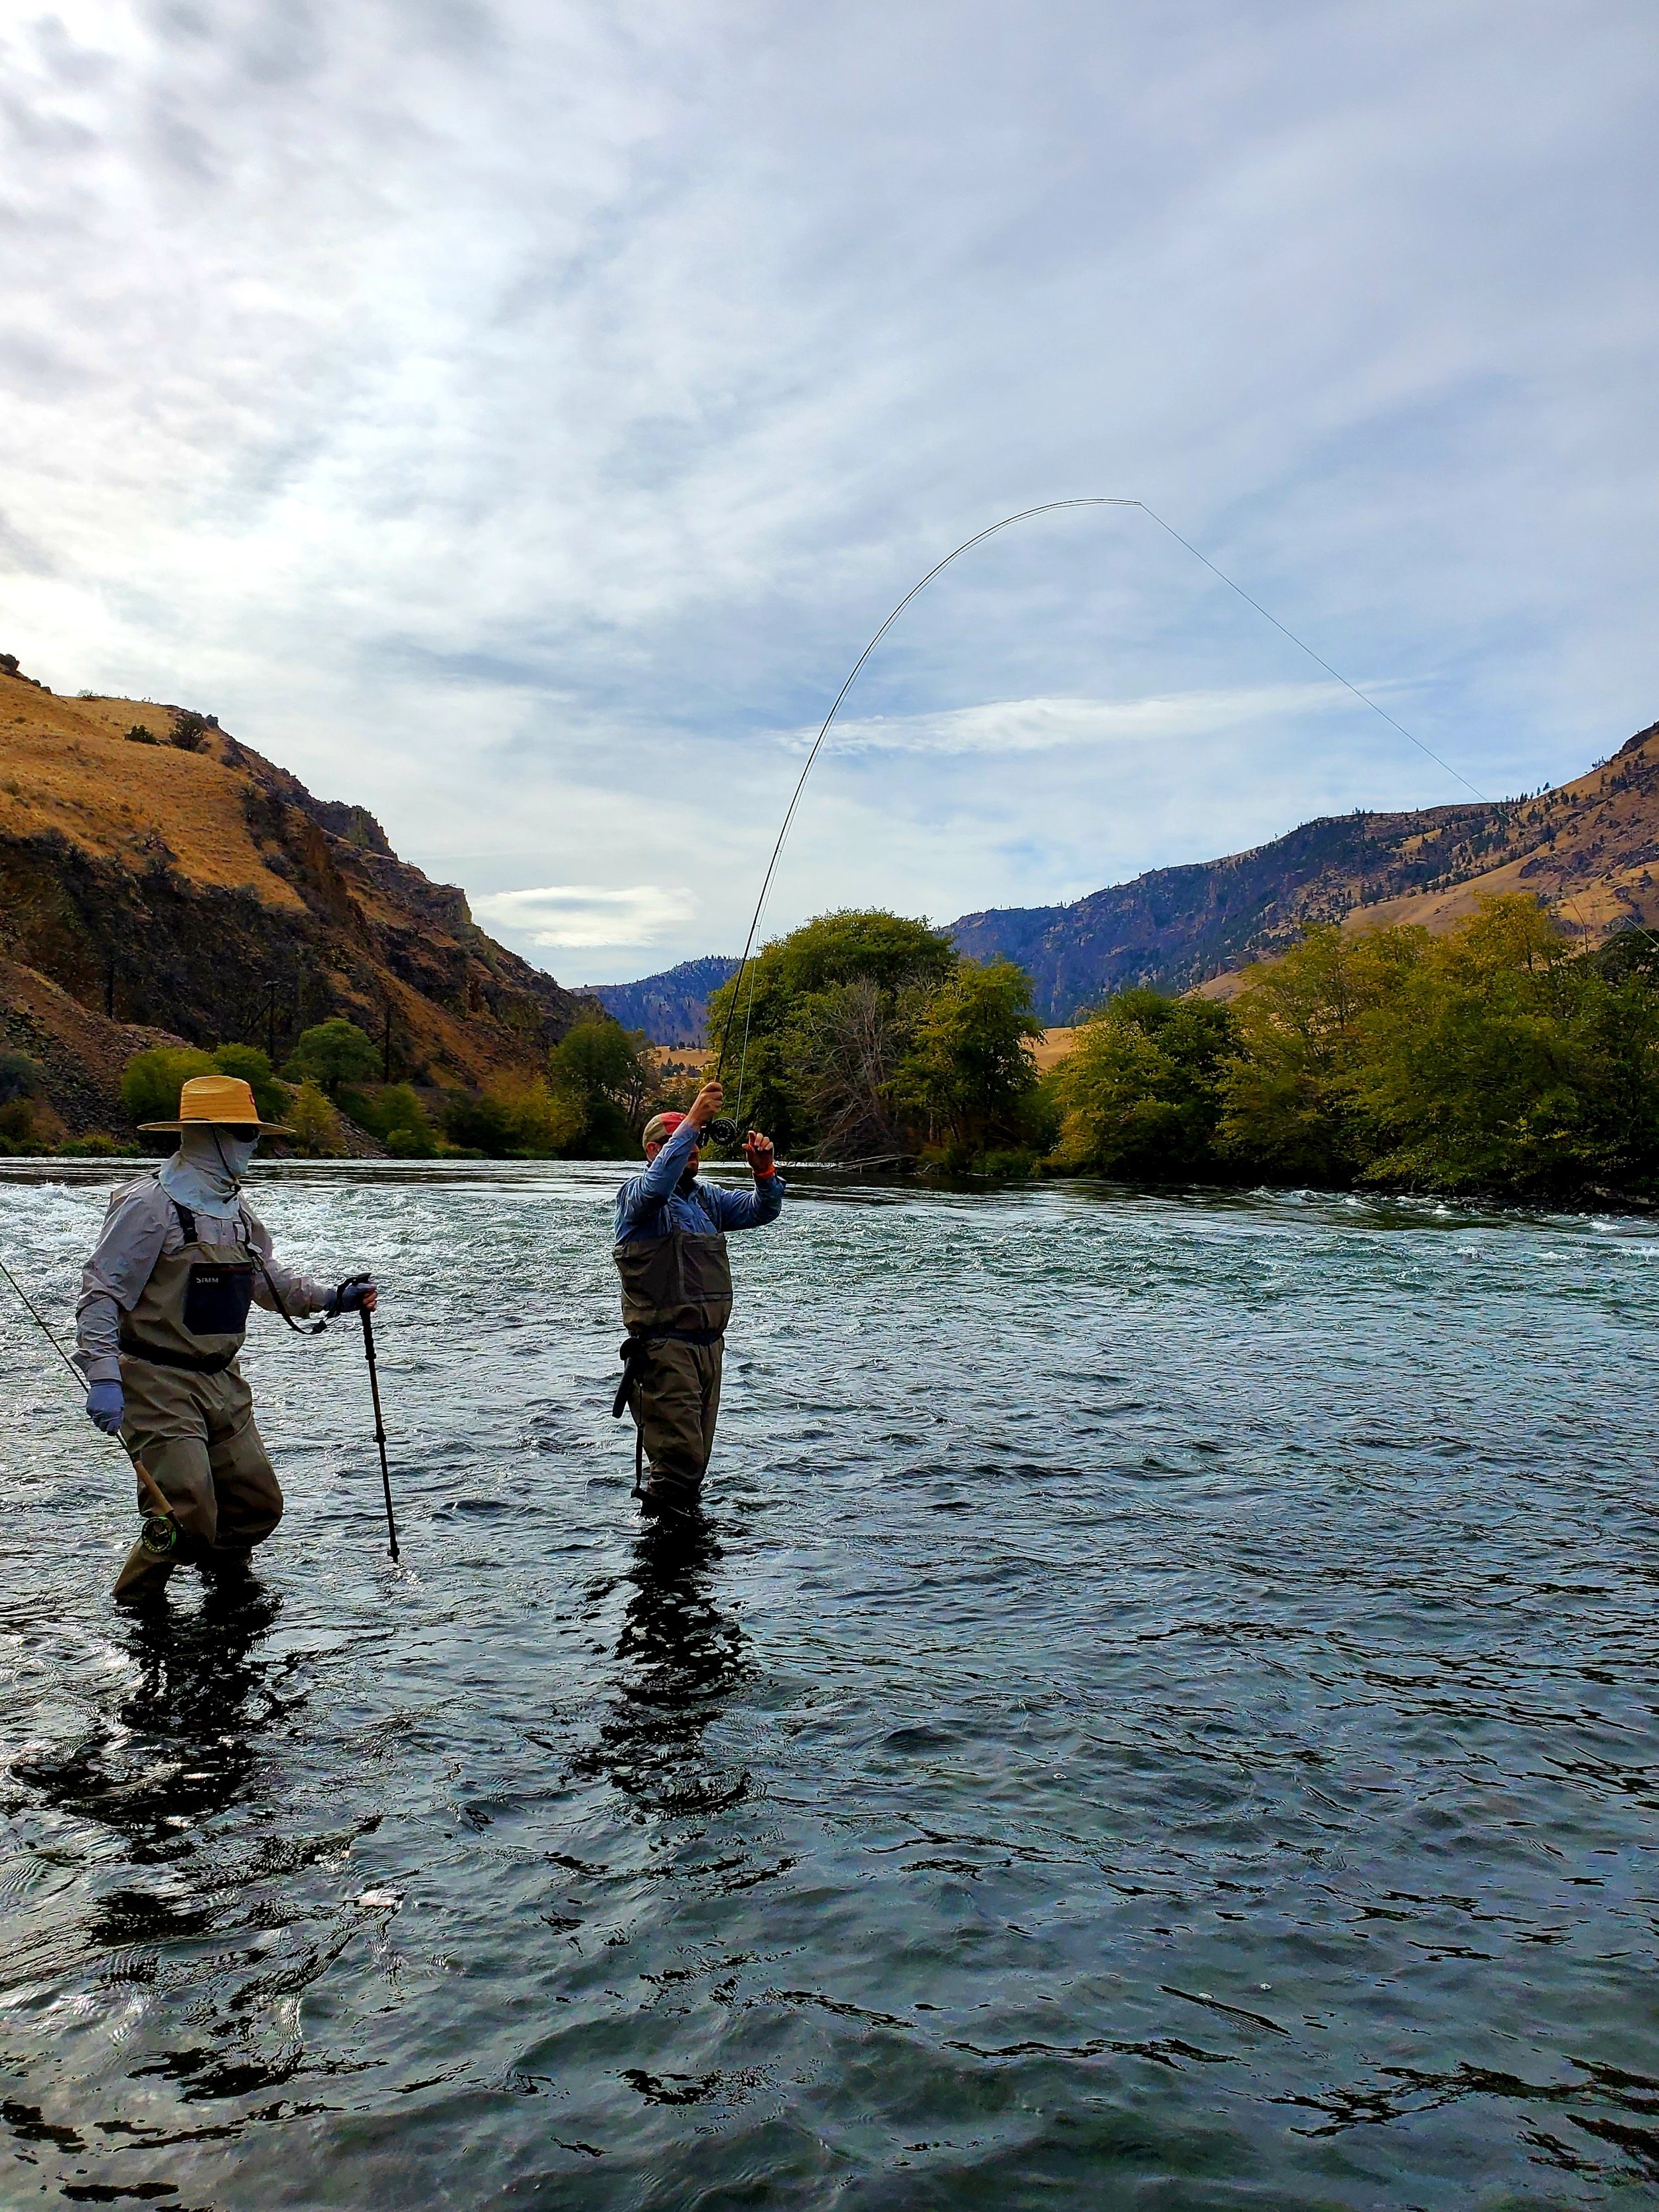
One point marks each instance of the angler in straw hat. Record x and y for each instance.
(676, 1298)
(164, 1302)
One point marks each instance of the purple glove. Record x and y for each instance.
(356, 1292)
(106, 1406)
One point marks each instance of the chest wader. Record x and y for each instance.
(677, 1301)
(190, 1414)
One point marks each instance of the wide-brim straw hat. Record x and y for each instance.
(224, 1100)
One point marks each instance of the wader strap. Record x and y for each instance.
(317, 1327)
(196, 1363)
(187, 1223)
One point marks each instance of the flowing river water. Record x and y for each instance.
(1162, 1713)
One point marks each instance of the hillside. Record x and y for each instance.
(160, 878)
(669, 1007)
(1587, 849)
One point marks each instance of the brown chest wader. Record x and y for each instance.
(677, 1301)
(190, 1414)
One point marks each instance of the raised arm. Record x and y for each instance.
(752, 1209)
(643, 1195)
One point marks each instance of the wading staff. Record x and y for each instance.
(379, 1424)
(160, 1533)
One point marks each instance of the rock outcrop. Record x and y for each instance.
(159, 879)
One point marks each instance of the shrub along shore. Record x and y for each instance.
(1497, 1061)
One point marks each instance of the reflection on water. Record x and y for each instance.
(180, 1742)
(678, 1659)
(1160, 1711)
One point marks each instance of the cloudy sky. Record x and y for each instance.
(516, 415)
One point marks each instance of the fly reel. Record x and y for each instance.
(721, 1131)
(159, 1536)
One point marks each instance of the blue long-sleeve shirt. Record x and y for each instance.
(649, 1205)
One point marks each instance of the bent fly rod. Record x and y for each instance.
(724, 1130)
(159, 1533)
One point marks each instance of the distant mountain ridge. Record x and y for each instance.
(672, 1008)
(1587, 849)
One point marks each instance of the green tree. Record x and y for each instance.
(151, 1081)
(515, 1118)
(1493, 1058)
(824, 1018)
(1139, 1094)
(333, 1053)
(1292, 1110)
(967, 1072)
(393, 1112)
(1504, 1061)
(318, 1134)
(22, 1084)
(605, 1071)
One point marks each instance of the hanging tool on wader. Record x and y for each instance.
(632, 1352)
(159, 1531)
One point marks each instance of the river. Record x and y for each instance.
(1161, 1713)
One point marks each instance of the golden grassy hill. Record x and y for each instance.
(157, 877)
(1587, 849)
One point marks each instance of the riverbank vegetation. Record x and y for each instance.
(863, 1036)
(599, 1089)
(1497, 1059)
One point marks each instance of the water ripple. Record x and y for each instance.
(1161, 1711)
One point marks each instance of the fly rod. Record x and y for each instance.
(725, 1131)
(159, 1532)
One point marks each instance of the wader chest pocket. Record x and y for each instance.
(216, 1300)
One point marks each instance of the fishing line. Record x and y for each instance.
(726, 1130)
(41, 1323)
(160, 1527)
(1567, 898)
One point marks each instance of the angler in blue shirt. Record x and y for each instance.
(676, 1298)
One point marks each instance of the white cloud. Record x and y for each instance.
(1023, 725)
(513, 414)
(577, 915)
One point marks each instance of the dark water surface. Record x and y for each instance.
(1162, 1715)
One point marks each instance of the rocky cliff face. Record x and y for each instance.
(1588, 850)
(158, 877)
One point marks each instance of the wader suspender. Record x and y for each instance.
(213, 1305)
(187, 1223)
(638, 1343)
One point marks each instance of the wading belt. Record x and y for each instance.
(639, 1342)
(198, 1363)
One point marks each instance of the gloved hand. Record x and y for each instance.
(356, 1292)
(107, 1406)
(759, 1154)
